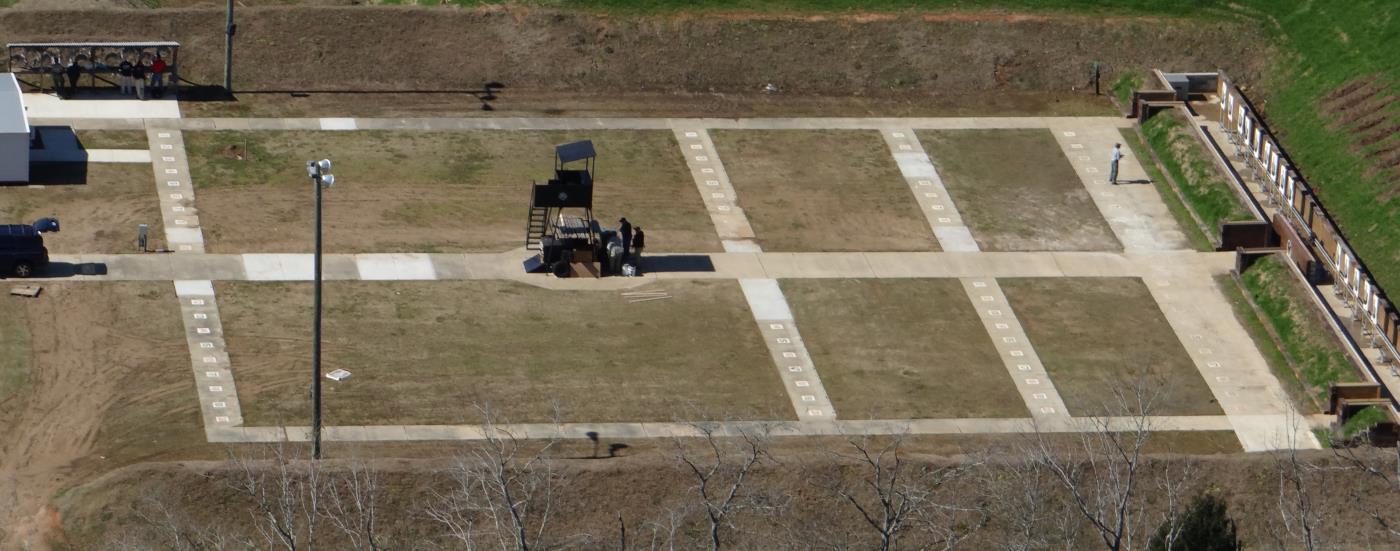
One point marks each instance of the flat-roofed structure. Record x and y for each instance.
(14, 132)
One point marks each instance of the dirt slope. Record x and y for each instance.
(790, 507)
(361, 48)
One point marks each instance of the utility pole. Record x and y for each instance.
(319, 171)
(229, 29)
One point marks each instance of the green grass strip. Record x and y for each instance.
(1317, 355)
(1268, 347)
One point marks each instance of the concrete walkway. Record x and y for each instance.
(119, 120)
(1133, 209)
(50, 107)
(933, 199)
(712, 182)
(615, 431)
(1201, 316)
(506, 266)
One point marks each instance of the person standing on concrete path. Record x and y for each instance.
(624, 229)
(124, 76)
(74, 72)
(138, 78)
(56, 71)
(639, 241)
(158, 76)
(1116, 156)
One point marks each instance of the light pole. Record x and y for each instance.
(321, 177)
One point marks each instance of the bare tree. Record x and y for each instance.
(894, 496)
(1100, 472)
(1173, 479)
(501, 489)
(352, 505)
(173, 525)
(285, 491)
(1299, 514)
(1022, 495)
(720, 471)
(1381, 470)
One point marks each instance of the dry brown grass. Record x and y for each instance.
(430, 192)
(1016, 191)
(113, 139)
(431, 352)
(1095, 335)
(901, 349)
(99, 212)
(830, 190)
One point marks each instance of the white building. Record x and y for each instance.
(14, 132)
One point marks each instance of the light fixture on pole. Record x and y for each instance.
(321, 177)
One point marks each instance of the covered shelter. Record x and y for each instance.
(98, 60)
(14, 132)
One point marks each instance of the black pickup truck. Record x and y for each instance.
(22, 251)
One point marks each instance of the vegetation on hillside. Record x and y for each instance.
(1315, 353)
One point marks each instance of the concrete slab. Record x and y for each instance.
(118, 156)
(194, 288)
(766, 299)
(395, 267)
(955, 239)
(741, 246)
(278, 267)
(338, 124)
(51, 106)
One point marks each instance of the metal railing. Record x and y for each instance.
(1290, 193)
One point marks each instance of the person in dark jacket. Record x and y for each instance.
(639, 241)
(74, 71)
(124, 76)
(624, 229)
(138, 78)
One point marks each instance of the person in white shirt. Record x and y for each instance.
(1113, 165)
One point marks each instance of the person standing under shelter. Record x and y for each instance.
(1116, 156)
(158, 76)
(74, 72)
(124, 76)
(624, 229)
(56, 71)
(138, 78)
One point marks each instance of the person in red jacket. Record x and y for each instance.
(158, 76)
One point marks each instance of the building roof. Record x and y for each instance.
(153, 44)
(12, 116)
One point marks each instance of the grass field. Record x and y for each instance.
(429, 192)
(901, 349)
(15, 347)
(111, 380)
(1016, 191)
(113, 139)
(1096, 334)
(97, 216)
(834, 190)
(432, 352)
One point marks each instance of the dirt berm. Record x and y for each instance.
(379, 48)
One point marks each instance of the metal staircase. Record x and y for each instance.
(535, 229)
